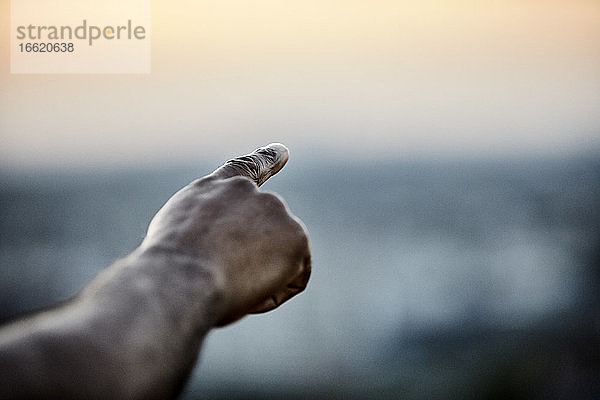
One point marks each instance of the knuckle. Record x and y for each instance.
(272, 202)
(306, 268)
(300, 281)
(202, 183)
(300, 231)
(240, 183)
(301, 247)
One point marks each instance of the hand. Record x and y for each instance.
(256, 250)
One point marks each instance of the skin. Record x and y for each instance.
(218, 250)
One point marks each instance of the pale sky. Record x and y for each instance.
(373, 79)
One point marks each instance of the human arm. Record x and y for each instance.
(217, 250)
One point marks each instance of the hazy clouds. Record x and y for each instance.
(377, 78)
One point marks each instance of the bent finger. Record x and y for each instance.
(294, 287)
(259, 165)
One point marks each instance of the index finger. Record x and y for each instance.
(259, 165)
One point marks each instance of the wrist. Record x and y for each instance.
(160, 285)
(147, 314)
(185, 283)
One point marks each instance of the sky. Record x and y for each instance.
(368, 79)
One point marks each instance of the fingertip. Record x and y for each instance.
(284, 152)
(259, 165)
(278, 154)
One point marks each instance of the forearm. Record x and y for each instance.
(218, 250)
(134, 332)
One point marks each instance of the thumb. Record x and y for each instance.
(259, 165)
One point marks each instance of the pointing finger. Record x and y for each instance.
(259, 165)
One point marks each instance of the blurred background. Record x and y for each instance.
(445, 159)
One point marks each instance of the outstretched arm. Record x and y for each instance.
(218, 250)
